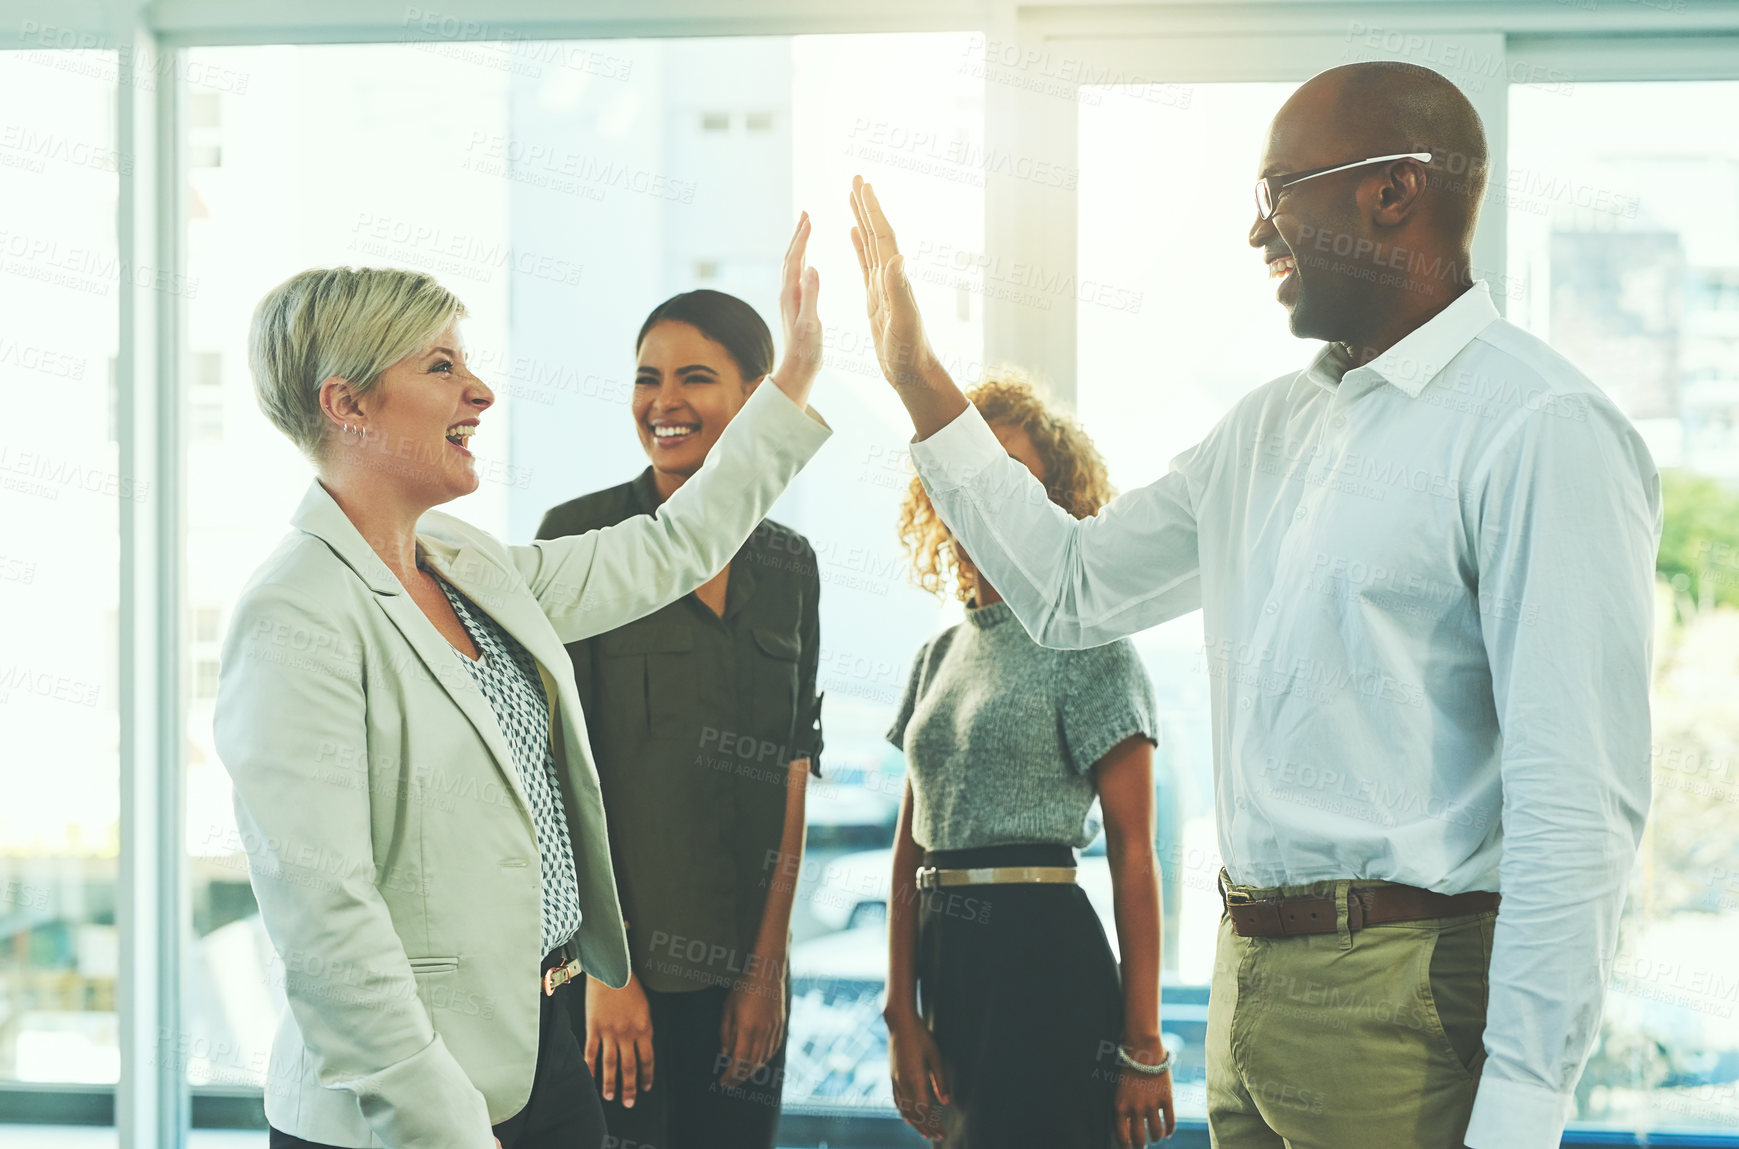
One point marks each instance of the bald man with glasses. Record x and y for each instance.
(1425, 564)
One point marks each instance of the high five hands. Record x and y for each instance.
(895, 325)
(799, 288)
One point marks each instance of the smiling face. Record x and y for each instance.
(687, 387)
(419, 417)
(1322, 292)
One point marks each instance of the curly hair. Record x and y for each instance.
(1075, 477)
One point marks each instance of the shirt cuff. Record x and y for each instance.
(949, 458)
(1512, 1115)
(806, 418)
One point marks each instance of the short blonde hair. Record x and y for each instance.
(1075, 475)
(352, 322)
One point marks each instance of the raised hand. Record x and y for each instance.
(898, 330)
(902, 349)
(799, 287)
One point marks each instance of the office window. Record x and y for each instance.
(1623, 212)
(60, 498)
(205, 399)
(1175, 285)
(204, 129)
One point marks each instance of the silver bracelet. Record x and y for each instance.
(1164, 1065)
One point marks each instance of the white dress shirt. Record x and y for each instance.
(1427, 587)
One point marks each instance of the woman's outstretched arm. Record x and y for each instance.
(597, 581)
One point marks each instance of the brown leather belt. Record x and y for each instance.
(1366, 906)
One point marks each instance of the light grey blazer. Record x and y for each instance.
(389, 842)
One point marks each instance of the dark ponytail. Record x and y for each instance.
(724, 319)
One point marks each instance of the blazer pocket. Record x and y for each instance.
(648, 669)
(420, 966)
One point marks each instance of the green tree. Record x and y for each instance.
(1699, 552)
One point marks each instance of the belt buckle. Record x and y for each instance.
(557, 976)
(925, 878)
(1230, 896)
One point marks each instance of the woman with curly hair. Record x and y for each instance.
(1007, 1022)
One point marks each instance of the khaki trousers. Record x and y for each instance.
(1349, 1040)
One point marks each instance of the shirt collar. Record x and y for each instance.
(1425, 351)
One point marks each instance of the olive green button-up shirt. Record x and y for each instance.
(693, 718)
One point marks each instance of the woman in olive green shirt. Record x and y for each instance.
(705, 723)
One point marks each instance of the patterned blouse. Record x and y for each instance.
(507, 675)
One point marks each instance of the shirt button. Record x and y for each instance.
(1243, 704)
(1299, 513)
(1271, 607)
(1238, 801)
(1340, 420)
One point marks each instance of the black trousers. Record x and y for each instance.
(562, 1111)
(687, 1108)
(1019, 987)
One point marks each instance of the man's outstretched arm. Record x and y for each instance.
(1072, 582)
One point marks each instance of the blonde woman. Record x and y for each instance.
(1007, 1024)
(412, 777)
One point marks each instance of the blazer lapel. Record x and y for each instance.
(321, 516)
(444, 665)
(503, 595)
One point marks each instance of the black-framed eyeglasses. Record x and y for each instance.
(1268, 188)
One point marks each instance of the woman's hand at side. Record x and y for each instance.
(1143, 1106)
(619, 1039)
(799, 287)
(920, 1081)
(753, 1026)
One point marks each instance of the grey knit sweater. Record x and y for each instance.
(1001, 734)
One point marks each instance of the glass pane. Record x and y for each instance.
(60, 496)
(1624, 227)
(562, 190)
(1152, 380)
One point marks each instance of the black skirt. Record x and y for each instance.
(1019, 987)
